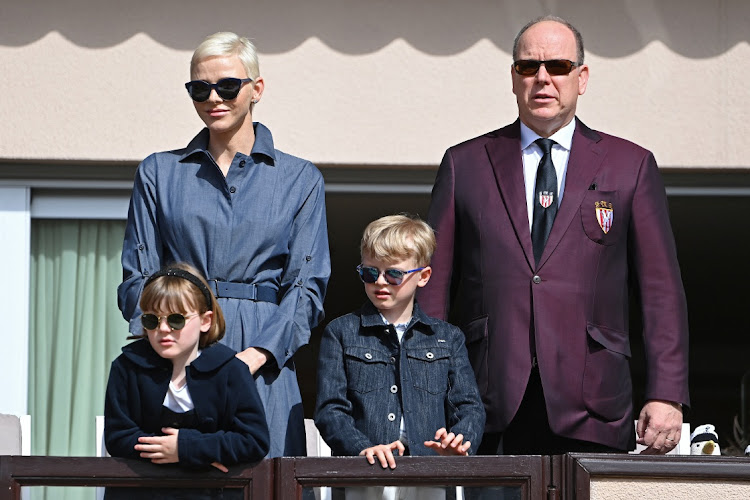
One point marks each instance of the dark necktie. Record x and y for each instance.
(545, 199)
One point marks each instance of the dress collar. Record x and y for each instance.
(263, 143)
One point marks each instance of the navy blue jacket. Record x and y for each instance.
(231, 423)
(367, 381)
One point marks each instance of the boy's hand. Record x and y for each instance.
(384, 452)
(160, 449)
(448, 443)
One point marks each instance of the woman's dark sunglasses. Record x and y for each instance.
(176, 321)
(555, 67)
(393, 276)
(226, 88)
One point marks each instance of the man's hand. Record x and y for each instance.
(448, 443)
(384, 452)
(659, 426)
(254, 358)
(160, 449)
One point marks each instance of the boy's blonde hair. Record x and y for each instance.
(399, 237)
(180, 295)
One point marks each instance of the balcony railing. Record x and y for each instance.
(567, 477)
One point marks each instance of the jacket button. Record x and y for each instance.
(368, 355)
(242, 163)
(394, 389)
(393, 360)
(232, 189)
(536, 279)
(430, 355)
(391, 417)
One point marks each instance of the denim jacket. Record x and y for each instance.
(368, 381)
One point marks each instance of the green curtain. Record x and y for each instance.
(75, 331)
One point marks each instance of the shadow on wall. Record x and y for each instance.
(615, 28)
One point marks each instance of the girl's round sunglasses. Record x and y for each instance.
(226, 88)
(176, 321)
(395, 277)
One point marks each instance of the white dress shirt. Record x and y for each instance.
(532, 155)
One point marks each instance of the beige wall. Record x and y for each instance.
(611, 489)
(368, 82)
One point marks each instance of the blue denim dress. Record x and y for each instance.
(264, 226)
(368, 381)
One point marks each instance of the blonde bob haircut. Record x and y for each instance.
(399, 237)
(226, 43)
(177, 294)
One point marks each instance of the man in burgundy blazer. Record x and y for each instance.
(549, 340)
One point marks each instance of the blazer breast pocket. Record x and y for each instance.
(602, 218)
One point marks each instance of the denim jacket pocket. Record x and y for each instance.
(367, 368)
(429, 368)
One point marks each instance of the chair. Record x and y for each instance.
(316, 447)
(15, 434)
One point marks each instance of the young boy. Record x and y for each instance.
(390, 378)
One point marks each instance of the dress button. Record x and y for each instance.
(368, 355)
(141, 247)
(430, 355)
(308, 258)
(242, 163)
(232, 189)
(536, 279)
(391, 417)
(394, 389)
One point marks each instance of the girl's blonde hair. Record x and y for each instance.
(180, 288)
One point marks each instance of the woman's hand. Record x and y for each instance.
(254, 358)
(448, 443)
(160, 449)
(384, 452)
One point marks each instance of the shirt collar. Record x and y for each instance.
(372, 317)
(563, 137)
(263, 143)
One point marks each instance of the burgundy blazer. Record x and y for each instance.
(575, 302)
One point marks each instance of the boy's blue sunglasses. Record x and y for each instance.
(369, 274)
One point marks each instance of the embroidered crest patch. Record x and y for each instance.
(604, 215)
(546, 198)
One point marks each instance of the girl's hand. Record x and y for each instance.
(448, 443)
(384, 452)
(160, 449)
(220, 466)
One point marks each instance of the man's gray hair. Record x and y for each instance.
(576, 33)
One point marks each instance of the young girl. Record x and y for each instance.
(177, 395)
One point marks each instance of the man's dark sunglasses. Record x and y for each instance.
(176, 321)
(555, 67)
(227, 88)
(393, 276)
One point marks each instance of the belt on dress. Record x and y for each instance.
(249, 291)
